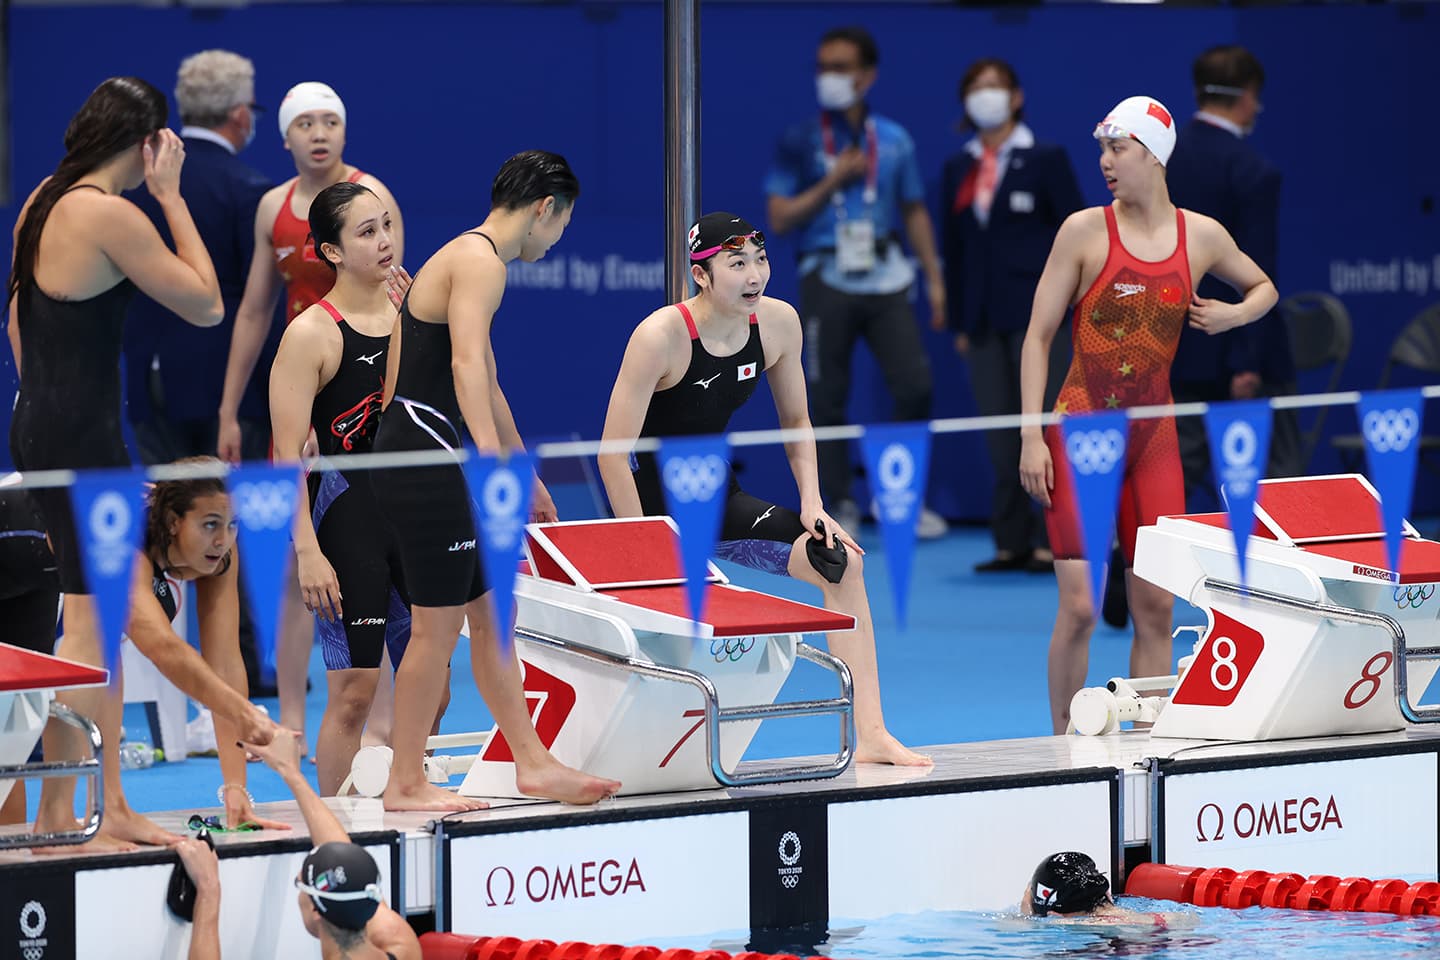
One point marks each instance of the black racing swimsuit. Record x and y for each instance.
(358, 544)
(428, 507)
(754, 532)
(68, 412)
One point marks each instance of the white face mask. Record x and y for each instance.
(250, 133)
(988, 108)
(835, 91)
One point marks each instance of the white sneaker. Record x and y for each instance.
(200, 735)
(930, 525)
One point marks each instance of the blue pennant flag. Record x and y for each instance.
(109, 521)
(1095, 448)
(1390, 421)
(696, 477)
(1239, 450)
(264, 498)
(898, 458)
(501, 490)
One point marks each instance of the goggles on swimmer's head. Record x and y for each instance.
(735, 242)
(1109, 130)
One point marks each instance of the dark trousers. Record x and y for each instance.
(1015, 520)
(834, 321)
(1285, 441)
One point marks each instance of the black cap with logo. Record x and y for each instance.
(343, 882)
(720, 231)
(1067, 882)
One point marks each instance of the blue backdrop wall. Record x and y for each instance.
(439, 95)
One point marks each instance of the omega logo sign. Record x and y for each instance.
(1278, 818)
(575, 881)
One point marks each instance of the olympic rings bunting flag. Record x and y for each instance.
(1239, 450)
(696, 476)
(1095, 449)
(264, 497)
(1390, 422)
(109, 522)
(898, 459)
(500, 491)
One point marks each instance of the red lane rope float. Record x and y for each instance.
(454, 946)
(1223, 887)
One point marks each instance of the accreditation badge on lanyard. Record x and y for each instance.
(855, 248)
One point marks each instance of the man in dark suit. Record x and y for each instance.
(1215, 171)
(1004, 197)
(174, 371)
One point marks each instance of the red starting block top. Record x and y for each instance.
(1419, 559)
(1317, 509)
(22, 670)
(732, 612)
(600, 554)
(1222, 521)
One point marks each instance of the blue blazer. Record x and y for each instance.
(1216, 173)
(991, 270)
(222, 193)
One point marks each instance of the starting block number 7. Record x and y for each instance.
(1223, 664)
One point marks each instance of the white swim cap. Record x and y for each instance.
(307, 96)
(1140, 118)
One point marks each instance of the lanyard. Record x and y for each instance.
(872, 160)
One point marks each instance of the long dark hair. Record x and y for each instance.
(327, 215)
(175, 498)
(122, 112)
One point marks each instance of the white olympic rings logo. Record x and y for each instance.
(694, 478)
(110, 519)
(896, 467)
(1095, 451)
(265, 504)
(1390, 431)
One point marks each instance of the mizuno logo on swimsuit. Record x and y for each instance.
(368, 622)
(459, 545)
(1123, 290)
(762, 517)
(705, 384)
(371, 359)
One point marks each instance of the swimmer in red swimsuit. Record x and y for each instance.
(1129, 270)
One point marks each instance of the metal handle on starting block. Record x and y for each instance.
(1403, 653)
(842, 707)
(90, 769)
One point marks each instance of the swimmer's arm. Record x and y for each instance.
(475, 291)
(645, 363)
(1231, 264)
(787, 386)
(1053, 294)
(217, 608)
(254, 315)
(505, 428)
(397, 222)
(183, 281)
(294, 382)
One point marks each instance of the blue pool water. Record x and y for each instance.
(1211, 933)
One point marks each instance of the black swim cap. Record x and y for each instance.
(343, 882)
(1067, 882)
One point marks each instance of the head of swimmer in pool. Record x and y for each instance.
(351, 231)
(339, 892)
(190, 524)
(312, 125)
(540, 186)
(1065, 884)
(112, 126)
(1136, 139)
(728, 262)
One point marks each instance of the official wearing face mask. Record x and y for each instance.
(1003, 198)
(846, 181)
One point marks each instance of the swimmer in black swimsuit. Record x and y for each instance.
(80, 250)
(329, 376)
(687, 369)
(442, 374)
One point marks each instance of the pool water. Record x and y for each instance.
(1211, 933)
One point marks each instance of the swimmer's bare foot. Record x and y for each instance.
(555, 781)
(100, 843)
(128, 826)
(427, 796)
(884, 748)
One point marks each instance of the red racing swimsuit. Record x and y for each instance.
(1127, 326)
(306, 277)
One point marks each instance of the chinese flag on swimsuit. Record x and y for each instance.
(1095, 447)
(264, 498)
(500, 489)
(696, 477)
(1390, 421)
(898, 457)
(1239, 450)
(109, 510)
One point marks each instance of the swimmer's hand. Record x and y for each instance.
(1215, 316)
(542, 506)
(281, 753)
(397, 283)
(319, 586)
(164, 155)
(240, 812)
(823, 527)
(203, 867)
(254, 726)
(1037, 470)
(227, 447)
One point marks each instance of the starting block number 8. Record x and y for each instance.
(1222, 666)
(1369, 681)
(1223, 649)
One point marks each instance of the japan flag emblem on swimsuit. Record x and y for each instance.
(746, 371)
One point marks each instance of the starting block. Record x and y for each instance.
(1322, 640)
(28, 683)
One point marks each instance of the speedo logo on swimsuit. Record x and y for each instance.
(705, 384)
(459, 545)
(1123, 290)
(368, 622)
